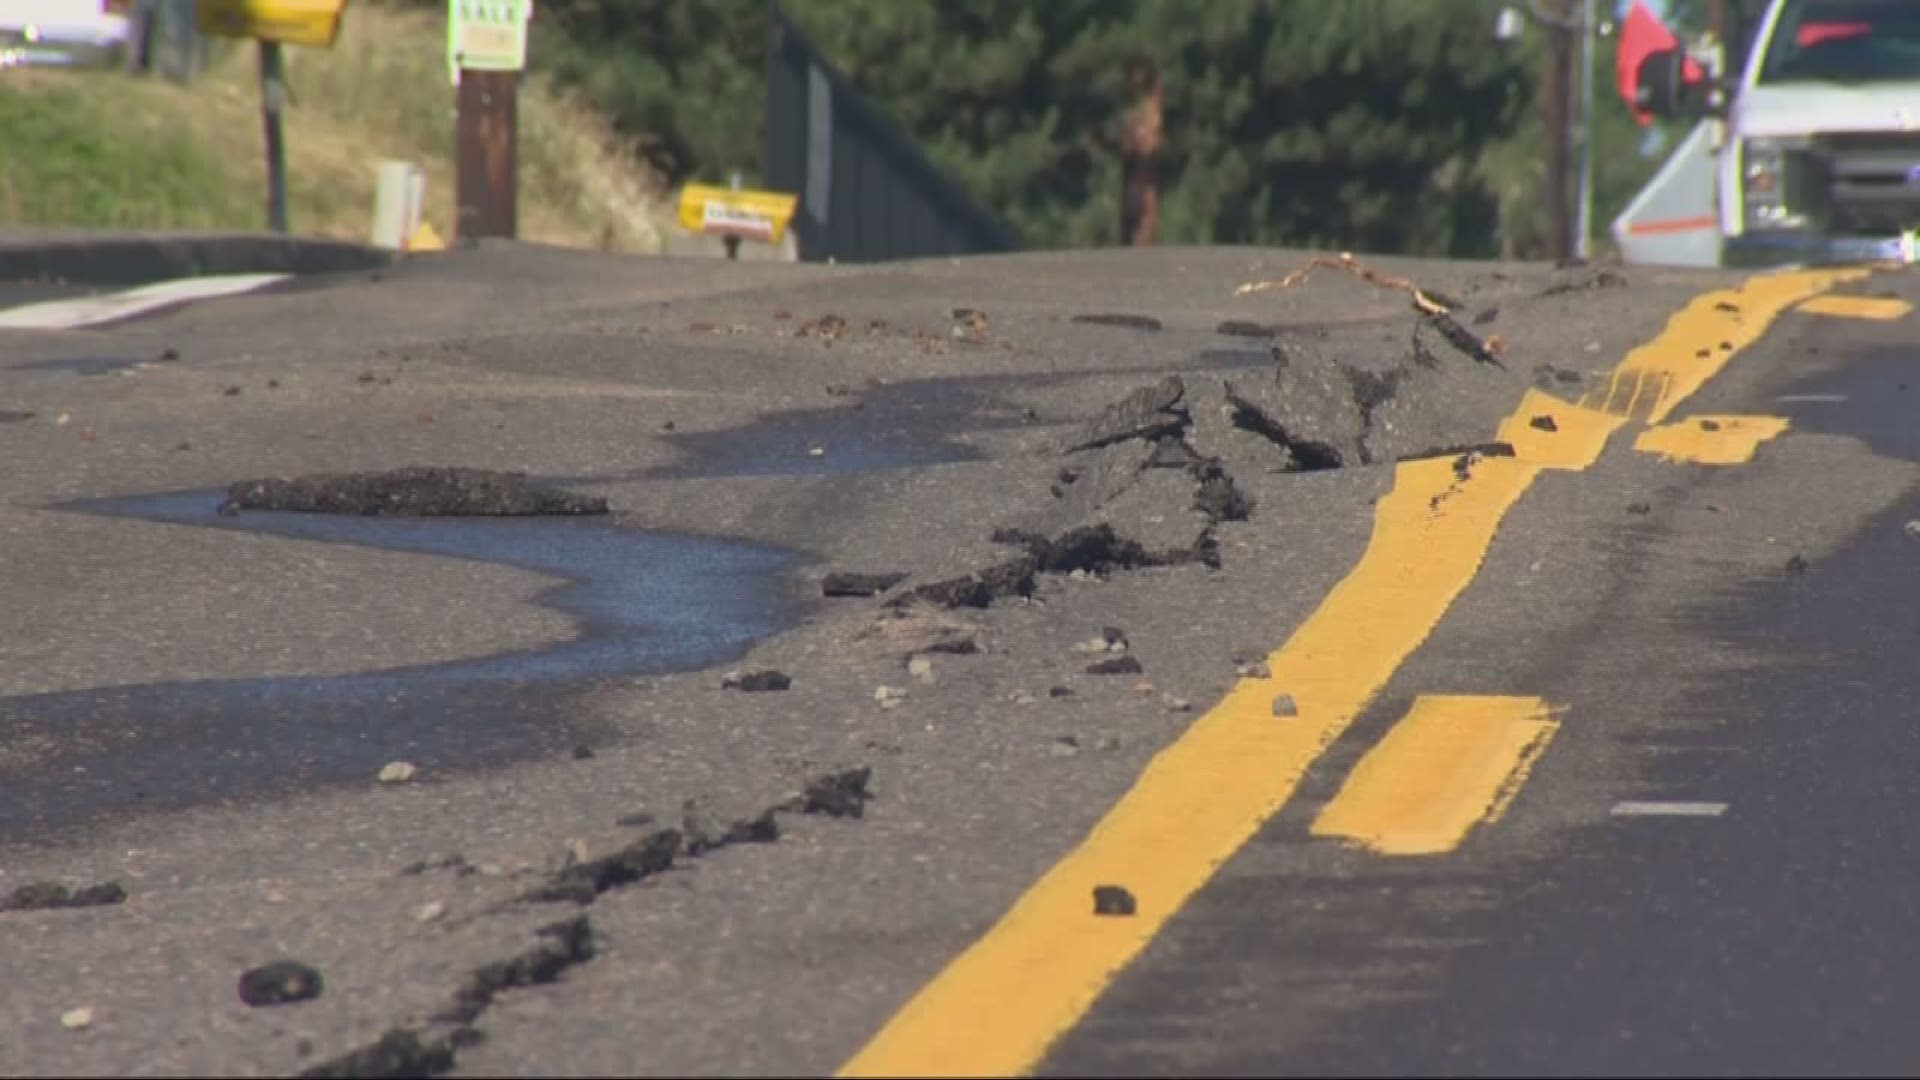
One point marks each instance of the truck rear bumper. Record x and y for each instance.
(1758, 249)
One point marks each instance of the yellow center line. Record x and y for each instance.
(1876, 308)
(1453, 762)
(996, 1008)
(1711, 440)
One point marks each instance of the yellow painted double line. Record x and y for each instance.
(998, 1007)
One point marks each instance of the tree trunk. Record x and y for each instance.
(1140, 158)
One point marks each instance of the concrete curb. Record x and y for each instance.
(137, 258)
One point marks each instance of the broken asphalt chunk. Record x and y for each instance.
(762, 681)
(48, 895)
(586, 879)
(282, 982)
(846, 583)
(838, 794)
(1115, 665)
(1147, 413)
(1113, 900)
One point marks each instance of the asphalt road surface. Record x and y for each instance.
(1259, 682)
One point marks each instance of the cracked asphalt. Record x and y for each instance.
(173, 717)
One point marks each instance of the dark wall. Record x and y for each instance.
(867, 193)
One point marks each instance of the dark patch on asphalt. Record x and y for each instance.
(896, 426)
(701, 602)
(91, 365)
(14, 416)
(1113, 900)
(282, 982)
(50, 895)
(754, 682)
(1125, 322)
(396, 1055)
(414, 492)
(1115, 665)
(1244, 328)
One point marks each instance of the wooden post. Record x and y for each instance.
(1140, 139)
(1556, 85)
(273, 95)
(485, 136)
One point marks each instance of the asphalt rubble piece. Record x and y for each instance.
(49, 895)
(431, 1048)
(424, 491)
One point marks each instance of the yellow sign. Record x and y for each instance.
(289, 22)
(754, 215)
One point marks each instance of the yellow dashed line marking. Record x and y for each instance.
(1876, 308)
(1451, 763)
(1706, 334)
(996, 1008)
(1711, 440)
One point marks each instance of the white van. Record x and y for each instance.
(1809, 154)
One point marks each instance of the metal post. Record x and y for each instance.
(1582, 239)
(273, 94)
(485, 136)
(733, 242)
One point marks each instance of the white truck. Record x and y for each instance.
(1807, 146)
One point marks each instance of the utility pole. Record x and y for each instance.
(1556, 114)
(1583, 234)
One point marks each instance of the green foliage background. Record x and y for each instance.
(1371, 125)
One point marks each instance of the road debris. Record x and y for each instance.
(1115, 665)
(395, 1054)
(827, 327)
(397, 772)
(1543, 423)
(1283, 706)
(1437, 307)
(1796, 565)
(281, 982)
(1125, 322)
(847, 583)
(753, 682)
(77, 1019)
(888, 697)
(920, 668)
(1246, 329)
(429, 911)
(418, 491)
(50, 895)
(1113, 900)
(840, 794)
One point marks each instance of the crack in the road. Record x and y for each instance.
(432, 1048)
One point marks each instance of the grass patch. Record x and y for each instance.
(99, 149)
